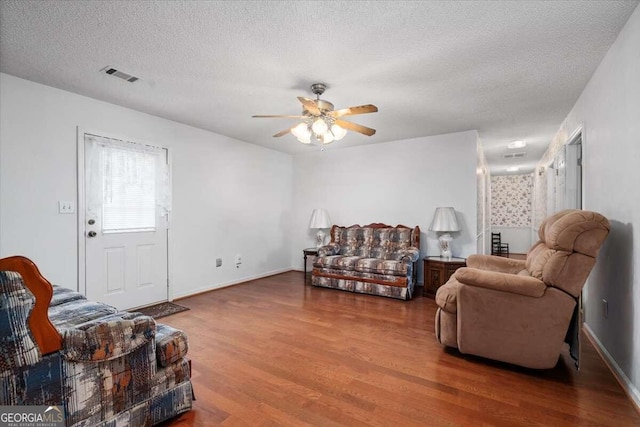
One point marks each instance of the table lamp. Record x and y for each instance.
(319, 220)
(444, 221)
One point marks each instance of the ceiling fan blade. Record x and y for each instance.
(356, 127)
(281, 116)
(360, 109)
(310, 105)
(282, 133)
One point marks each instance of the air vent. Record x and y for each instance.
(117, 73)
(515, 155)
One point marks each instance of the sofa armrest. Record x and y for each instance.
(407, 255)
(108, 337)
(505, 282)
(496, 263)
(330, 249)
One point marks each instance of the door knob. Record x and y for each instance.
(91, 221)
(92, 234)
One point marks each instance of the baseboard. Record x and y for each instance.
(624, 381)
(230, 283)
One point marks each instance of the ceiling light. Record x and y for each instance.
(517, 144)
(301, 131)
(327, 138)
(305, 139)
(338, 132)
(319, 126)
(321, 123)
(513, 169)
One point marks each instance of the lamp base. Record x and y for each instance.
(320, 238)
(445, 241)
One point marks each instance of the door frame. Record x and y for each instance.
(81, 206)
(578, 134)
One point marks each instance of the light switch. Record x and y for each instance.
(66, 207)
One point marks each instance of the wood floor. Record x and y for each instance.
(278, 352)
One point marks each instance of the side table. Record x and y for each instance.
(437, 271)
(307, 252)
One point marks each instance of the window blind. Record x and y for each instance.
(128, 190)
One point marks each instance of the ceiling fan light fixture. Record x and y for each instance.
(305, 139)
(320, 122)
(319, 126)
(338, 132)
(327, 138)
(301, 131)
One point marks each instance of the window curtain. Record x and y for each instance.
(111, 162)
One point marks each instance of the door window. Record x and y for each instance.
(129, 190)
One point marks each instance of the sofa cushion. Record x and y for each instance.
(108, 337)
(77, 312)
(338, 262)
(383, 266)
(356, 241)
(171, 345)
(63, 295)
(168, 377)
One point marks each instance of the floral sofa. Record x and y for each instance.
(376, 259)
(96, 365)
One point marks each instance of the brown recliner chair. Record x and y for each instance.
(519, 311)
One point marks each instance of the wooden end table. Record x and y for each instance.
(437, 271)
(307, 252)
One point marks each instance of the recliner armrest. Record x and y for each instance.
(505, 282)
(496, 263)
(329, 249)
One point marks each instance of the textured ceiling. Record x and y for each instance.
(511, 70)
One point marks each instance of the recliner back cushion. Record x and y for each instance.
(568, 271)
(565, 253)
(575, 231)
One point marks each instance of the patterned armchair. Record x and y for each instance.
(101, 366)
(376, 259)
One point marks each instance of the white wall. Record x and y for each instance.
(229, 197)
(400, 182)
(518, 238)
(609, 110)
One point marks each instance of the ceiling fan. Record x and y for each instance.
(320, 122)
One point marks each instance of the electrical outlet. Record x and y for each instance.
(238, 259)
(66, 207)
(605, 308)
(218, 262)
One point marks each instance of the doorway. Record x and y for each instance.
(123, 221)
(567, 182)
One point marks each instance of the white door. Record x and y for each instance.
(126, 223)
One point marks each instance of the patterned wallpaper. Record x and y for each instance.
(539, 201)
(511, 200)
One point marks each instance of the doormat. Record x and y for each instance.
(162, 309)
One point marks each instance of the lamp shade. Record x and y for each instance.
(320, 219)
(444, 219)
